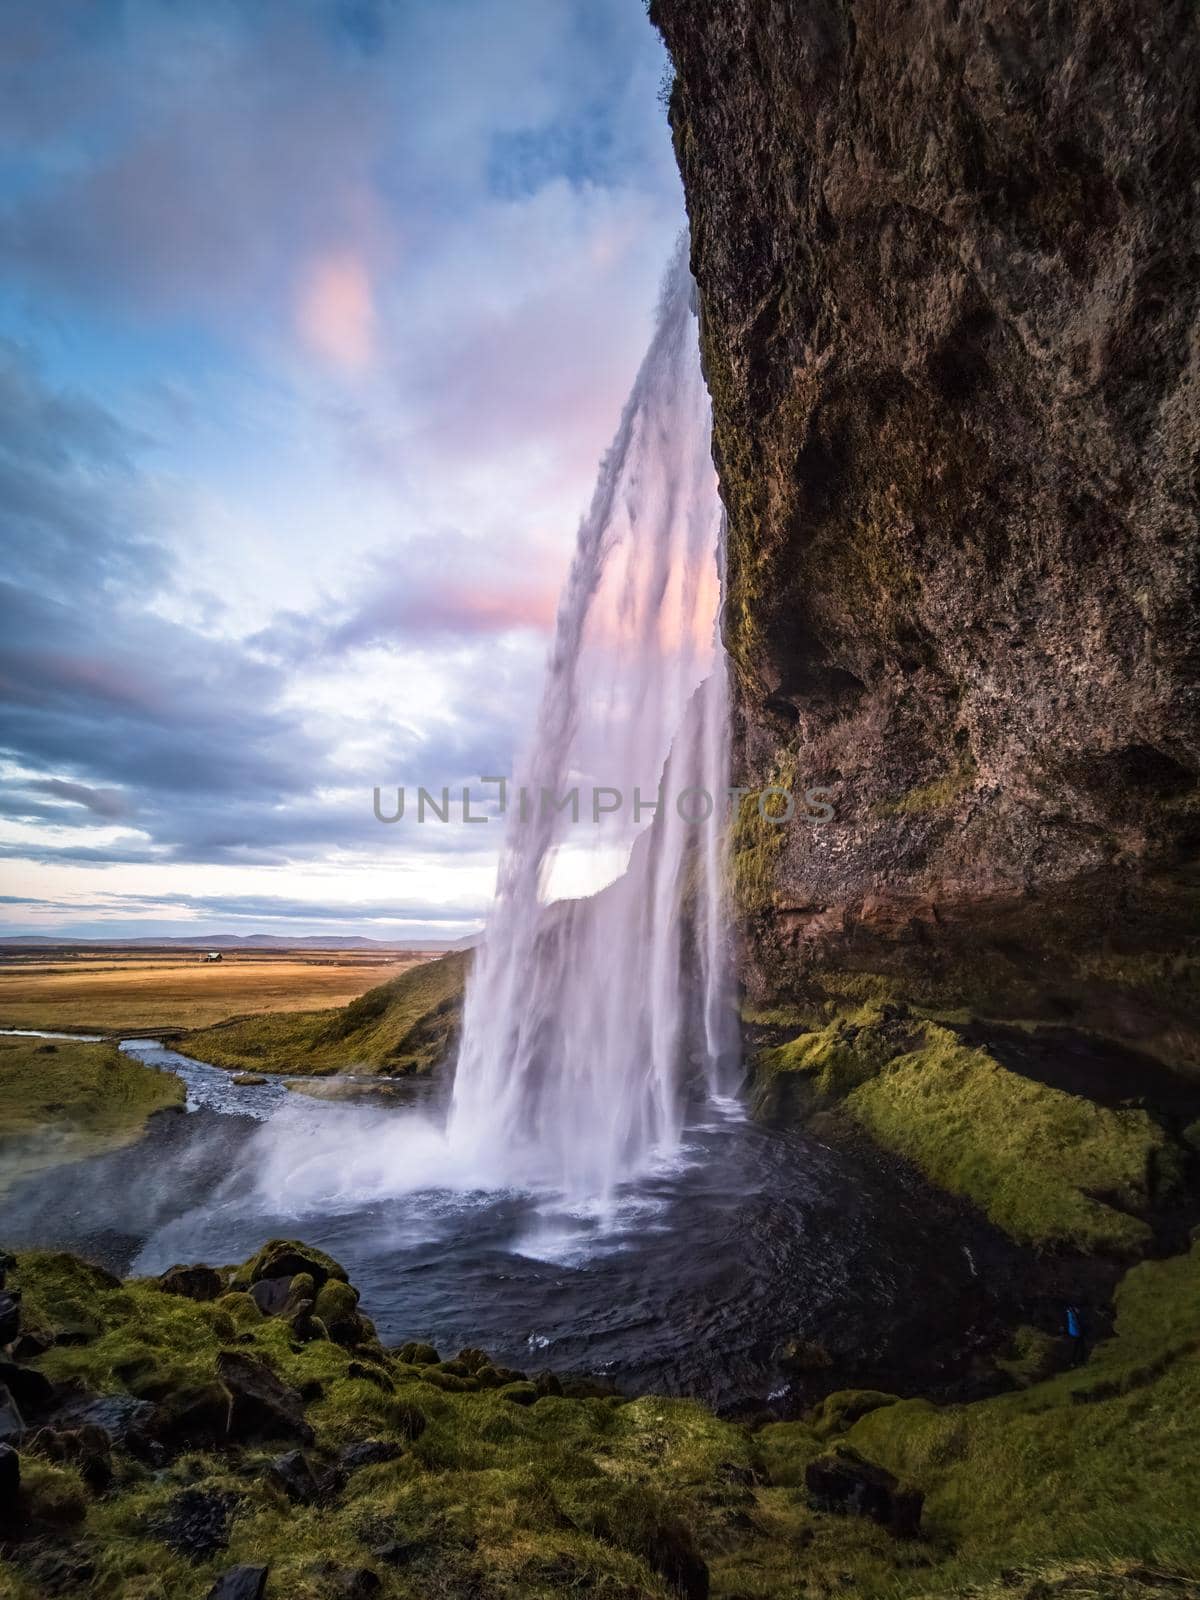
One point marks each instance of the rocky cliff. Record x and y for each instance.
(947, 254)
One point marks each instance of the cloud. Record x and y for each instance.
(108, 803)
(335, 310)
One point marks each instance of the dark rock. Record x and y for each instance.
(418, 1355)
(240, 1583)
(32, 1390)
(349, 1583)
(12, 1424)
(948, 312)
(123, 1418)
(369, 1453)
(337, 1308)
(31, 1343)
(271, 1295)
(285, 1258)
(398, 1552)
(193, 1415)
(196, 1523)
(293, 1474)
(470, 1360)
(305, 1328)
(548, 1383)
(193, 1283)
(10, 1316)
(521, 1394)
(264, 1407)
(10, 1481)
(60, 1571)
(87, 1448)
(845, 1482)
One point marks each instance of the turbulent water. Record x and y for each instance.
(592, 1024)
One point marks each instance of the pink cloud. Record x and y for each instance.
(335, 310)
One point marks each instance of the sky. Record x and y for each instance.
(316, 317)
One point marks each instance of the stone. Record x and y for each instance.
(193, 1283)
(284, 1258)
(293, 1474)
(369, 1374)
(122, 1417)
(10, 1481)
(31, 1389)
(10, 1316)
(192, 1416)
(845, 1482)
(271, 1295)
(418, 1355)
(248, 1080)
(87, 1447)
(196, 1523)
(263, 1406)
(368, 1453)
(12, 1424)
(240, 1583)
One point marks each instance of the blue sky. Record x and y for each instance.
(315, 319)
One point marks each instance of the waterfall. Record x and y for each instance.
(592, 1024)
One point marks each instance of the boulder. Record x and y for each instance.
(87, 1448)
(32, 1390)
(10, 1316)
(271, 1295)
(263, 1406)
(196, 1524)
(124, 1419)
(240, 1583)
(418, 1355)
(12, 1424)
(10, 1481)
(248, 1080)
(193, 1283)
(284, 1258)
(368, 1453)
(293, 1474)
(548, 1383)
(191, 1416)
(845, 1482)
(336, 1307)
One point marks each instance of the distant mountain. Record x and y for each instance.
(239, 941)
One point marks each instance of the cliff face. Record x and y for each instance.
(948, 254)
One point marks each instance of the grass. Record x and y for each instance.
(1049, 1168)
(63, 1100)
(403, 1026)
(1084, 1484)
(92, 994)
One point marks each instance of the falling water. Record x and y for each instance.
(592, 1024)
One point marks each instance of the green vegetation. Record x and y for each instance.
(1048, 1167)
(932, 796)
(401, 1027)
(1097, 1469)
(482, 1483)
(62, 1100)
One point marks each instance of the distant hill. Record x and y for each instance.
(402, 1027)
(238, 941)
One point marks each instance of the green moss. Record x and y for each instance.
(934, 796)
(1050, 1168)
(401, 1027)
(63, 1100)
(1035, 1159)
(600, 1497)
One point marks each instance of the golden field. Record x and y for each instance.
(105, 992)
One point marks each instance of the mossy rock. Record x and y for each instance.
(286, 1258)
(418, 1355)
(838, 1412)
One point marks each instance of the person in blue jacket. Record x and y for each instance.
(1074, 1321)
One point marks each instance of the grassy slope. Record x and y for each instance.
(1048, 1167)
(402, 1026)
(1095, 1471)
(1099, 1465)
(61, 1100)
